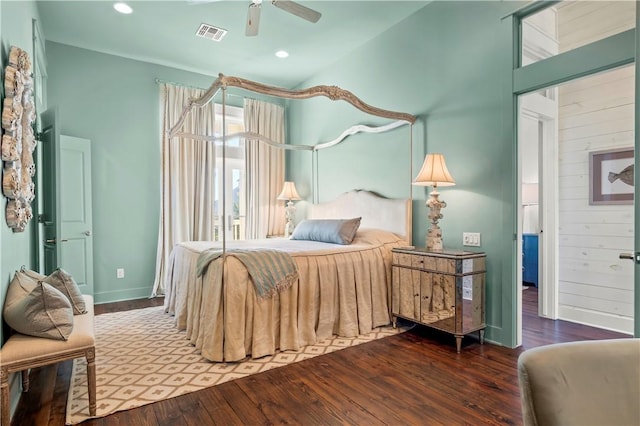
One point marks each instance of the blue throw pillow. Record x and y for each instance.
(336, 231)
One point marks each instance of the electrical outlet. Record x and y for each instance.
(471, 239)
(467, 294)
(120, 273)
(467, 287)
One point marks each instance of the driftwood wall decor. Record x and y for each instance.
(18, 141)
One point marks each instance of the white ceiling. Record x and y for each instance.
(163, 32)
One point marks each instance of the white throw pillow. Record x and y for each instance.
(63, 281)
(37, 309)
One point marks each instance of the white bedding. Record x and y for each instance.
(341, 290)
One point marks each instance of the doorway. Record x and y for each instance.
(576, 142)
(566, 56)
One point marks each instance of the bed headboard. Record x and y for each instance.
(392, 215)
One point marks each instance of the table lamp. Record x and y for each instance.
(434, 173)
(290, 194)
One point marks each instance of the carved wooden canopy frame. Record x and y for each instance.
(334, 93)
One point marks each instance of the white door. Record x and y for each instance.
(74, 196)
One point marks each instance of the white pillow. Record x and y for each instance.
(63, 281)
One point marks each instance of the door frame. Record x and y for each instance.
(40, 98)
(544, 111)
(611, 52)
(636, 197)
(48, 227)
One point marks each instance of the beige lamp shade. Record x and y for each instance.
(289, 192)
(434, 172)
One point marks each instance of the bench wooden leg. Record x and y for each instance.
(4, 395)
(91, 380)
(25, 380)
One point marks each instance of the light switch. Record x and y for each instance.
(471, 239)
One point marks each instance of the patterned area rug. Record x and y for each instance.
(142, 358)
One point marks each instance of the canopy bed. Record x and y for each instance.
(339, 274)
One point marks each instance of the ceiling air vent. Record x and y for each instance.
(211, 32)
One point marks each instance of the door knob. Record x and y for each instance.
(628, 256)
(87, 233)
(50, 241)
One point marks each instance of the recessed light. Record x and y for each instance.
(282, 54)
(123, 8)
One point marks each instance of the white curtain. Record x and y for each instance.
(187, 173)
(265, 169)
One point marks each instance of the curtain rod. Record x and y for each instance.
(159, 81)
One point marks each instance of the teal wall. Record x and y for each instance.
(446, 64)
(114, 102)
(16, 249)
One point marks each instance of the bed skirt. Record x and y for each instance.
(342, 293)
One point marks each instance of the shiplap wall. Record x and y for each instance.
(583, 22)
(595, 113)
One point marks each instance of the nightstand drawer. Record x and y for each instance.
(403, 259)
(420, 261)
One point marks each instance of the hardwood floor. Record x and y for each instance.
(412, 378)
(537, 331)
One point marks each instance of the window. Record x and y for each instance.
(572, 24)
(233, 186)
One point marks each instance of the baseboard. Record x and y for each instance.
(495, 336)
(122, 295)
(596, 319)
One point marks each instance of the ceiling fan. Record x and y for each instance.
(253, 15)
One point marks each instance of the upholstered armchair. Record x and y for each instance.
(581, 383)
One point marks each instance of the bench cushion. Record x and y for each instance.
(23, 348)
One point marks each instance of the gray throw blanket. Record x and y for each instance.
(270, 270)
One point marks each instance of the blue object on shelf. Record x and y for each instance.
(530, 259)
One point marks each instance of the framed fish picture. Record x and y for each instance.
(611, 176)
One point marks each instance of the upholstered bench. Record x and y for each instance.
(21, 353)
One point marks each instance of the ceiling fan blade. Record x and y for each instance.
(253, 20)
(297, 9)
